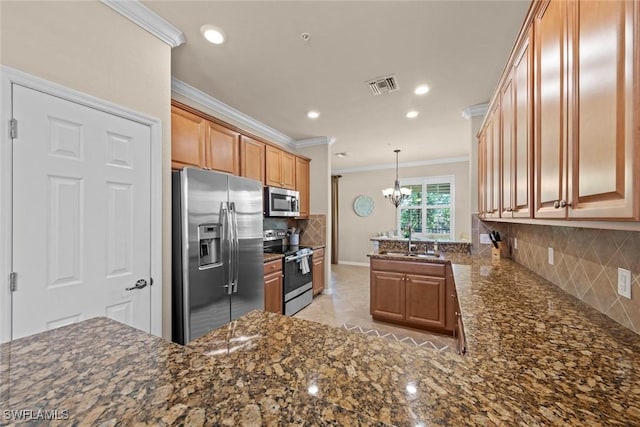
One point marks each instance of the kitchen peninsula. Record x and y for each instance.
(536, 356)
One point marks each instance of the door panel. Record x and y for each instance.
(252, 159)
(223, 149)
(206, 286)
(426, 300)
(188, 139)
(387, 295)
(523, 125)
(506, 144)
(602, 184)
(550, 119)
(81, 201)
(246, 195)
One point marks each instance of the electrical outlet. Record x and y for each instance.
(515, 243)
(551, 256)
(624, 282)
(484, 239)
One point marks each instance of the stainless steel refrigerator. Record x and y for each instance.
(217, 250)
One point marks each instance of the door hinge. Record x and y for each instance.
(13, 128)
(13, 281)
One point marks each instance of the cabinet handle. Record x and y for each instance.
(509, 209)
(561, 204)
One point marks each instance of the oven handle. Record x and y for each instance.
(296, 257)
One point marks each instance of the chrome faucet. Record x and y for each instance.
(409, 242)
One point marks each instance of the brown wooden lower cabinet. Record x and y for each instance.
(318, 271)
(273, 298)
(415, 294)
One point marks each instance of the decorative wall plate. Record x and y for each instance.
(363, 205)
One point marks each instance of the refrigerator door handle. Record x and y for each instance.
(227, 243)
(236, 247)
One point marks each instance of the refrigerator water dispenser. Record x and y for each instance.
(209, 244)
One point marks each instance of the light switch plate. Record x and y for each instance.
(624, 282)
(551, 256)
(484, 239)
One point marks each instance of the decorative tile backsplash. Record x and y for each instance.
(313, 231)
(585, 263)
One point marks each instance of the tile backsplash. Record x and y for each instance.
(312, 230)
(585, 264)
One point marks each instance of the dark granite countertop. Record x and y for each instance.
(537, 356)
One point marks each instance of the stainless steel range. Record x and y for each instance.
(297, 264)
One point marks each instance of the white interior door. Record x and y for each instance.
(81, 215)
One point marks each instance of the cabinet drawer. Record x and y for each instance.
(272, 266)
(408, 267)
(318, 254)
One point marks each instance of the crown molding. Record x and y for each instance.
(475, 110)
(401, 165)
(230, 114)
(321, 140)
(147, 20)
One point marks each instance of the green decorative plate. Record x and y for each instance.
(363, 205)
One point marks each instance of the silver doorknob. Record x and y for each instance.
(140, 284)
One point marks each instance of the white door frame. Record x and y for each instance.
(9, 76)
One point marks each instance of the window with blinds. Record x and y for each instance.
(429, 208)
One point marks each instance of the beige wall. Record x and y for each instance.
(355, 231)
(88, 47)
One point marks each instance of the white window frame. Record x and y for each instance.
(424, 181)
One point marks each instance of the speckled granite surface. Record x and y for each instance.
(537, 356)
(400, 244)
(272, 257)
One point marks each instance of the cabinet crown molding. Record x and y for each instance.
(148, 20)
(475, 110)
(230, 114)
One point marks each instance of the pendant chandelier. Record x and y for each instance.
(396, 194)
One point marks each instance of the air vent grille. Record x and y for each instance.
(384, 85)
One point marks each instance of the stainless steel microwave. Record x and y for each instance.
(281, 202)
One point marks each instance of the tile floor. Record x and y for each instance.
(346, 300)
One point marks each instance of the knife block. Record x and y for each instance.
(496, 253)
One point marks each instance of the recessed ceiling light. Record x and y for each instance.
(313, 114)
(412, 114)
(421, 90)
(343, 154)
(213, 34)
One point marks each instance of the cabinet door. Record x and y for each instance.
(318, 271)
(188, 134)
(387, 295)
(252, 158)
(523, 85)
(273, 298)
(496, 162)
(302, 185)
(288, 170)
(551, 109)
(604, 138)
(506, 147)
(273, 166)
(223, 149)
(488, 169)
(425, 304)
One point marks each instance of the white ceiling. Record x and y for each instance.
(268, 72)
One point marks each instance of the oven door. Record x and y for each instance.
(295, 281)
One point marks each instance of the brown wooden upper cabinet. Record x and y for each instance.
(568, 123)
(252, 158)
(223, 149)
(302, 185)
(604, 110)
(550, 109)
(587, 141)
(523, 127)
(280, 168)
(188, 139)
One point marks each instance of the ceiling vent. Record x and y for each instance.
(384, 85)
